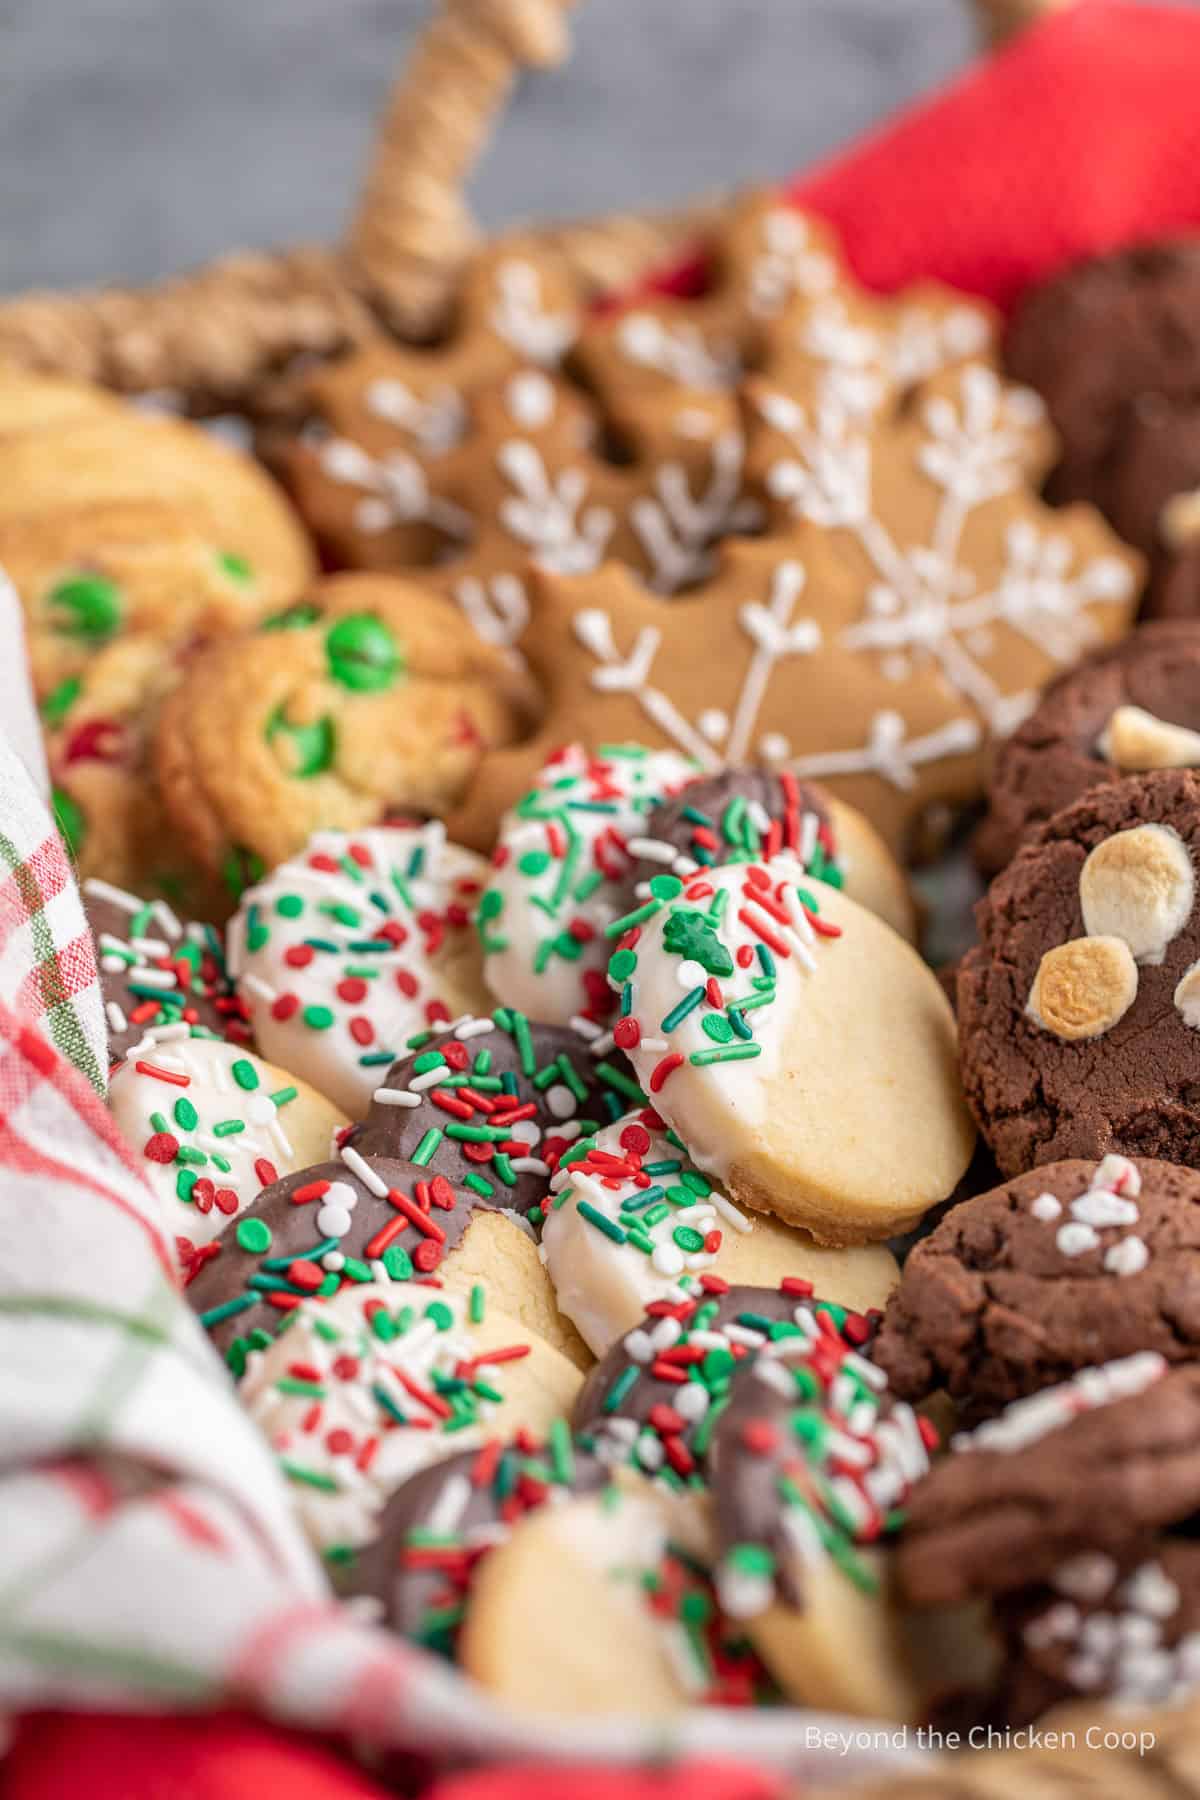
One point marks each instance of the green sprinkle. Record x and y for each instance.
(308, 1477)
(426, 1150)
(245, 1074)
(479, 1185)
(729, 1053)
(595, 1217)
(317, 1018)
(227, 1310)
(679, 1013)
(254, 1235)
(475, 1308)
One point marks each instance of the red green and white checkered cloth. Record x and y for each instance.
(148, 1553)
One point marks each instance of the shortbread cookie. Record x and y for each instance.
(555, 888)
(745, 813)
(762, 1012)
(367, 698)
(633, 1221)
(494, 1103)
(82, 453)
(437, 1530)
(155, 971)
(349, 950)
(1126, 1632)
(212, 1125)
(812, 1461)
(1077, 1009)
(1020, 1288)
(655, 1396)
(1126, 710)
(1092, 1465)
(357, 1394)
(602, 1606)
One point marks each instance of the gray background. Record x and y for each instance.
(137, 136)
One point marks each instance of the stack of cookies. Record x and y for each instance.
(564, 1142)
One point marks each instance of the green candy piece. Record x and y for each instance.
(186, 1115)
(293, 618)
(398, 1263)
(717, 1027)
(241, 868)
(363, 654)
(491, 905)
(87, 607)
(317, 1018)
(665, 887)
(534, 862)
(690, 935)
(245, 1074)
(60, 700)
(254, 1235)
(68, 816)
(311, 747)
(289, 906)
(622, 964)
(236, 567)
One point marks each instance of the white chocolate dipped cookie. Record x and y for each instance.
(213, 1125)
(798, 1046)
(602, 1605)
(357, 1394)
(563, 855)
(346, 952)
(633, 1220)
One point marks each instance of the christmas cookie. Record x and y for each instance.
(944, 592)
(212, 1124)
(154, 971)
(346, 952)
(656, 1394)
(493, 1103)
(1125, 710)
(746, 812)
(67, 450)
(632, 1221)
(358, 1393)
(603, 1606)
(1020, 1288)
(1129, 431)
(1076, 1010)
(367, 698)
(1127, 1632)
(557, 873)
(760, 1013)
(437, 1529)
(359, 1219)
(812, 1461)
(1092, 1465)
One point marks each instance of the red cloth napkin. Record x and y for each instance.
(1084, 134)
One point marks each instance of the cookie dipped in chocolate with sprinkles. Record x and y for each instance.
(493, 1103)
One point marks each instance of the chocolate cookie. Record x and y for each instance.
(156, 972)
(654, 1398)
(1078, 1008)
(436, 1529)
(1113, 346)
(1124, 1631)
(1132, 707)
(493, 1103)
(1092, 1465)
(1071, 1264)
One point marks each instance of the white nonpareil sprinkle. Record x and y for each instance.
(1129, 1257)
(1075, 1239)
(1046, 1208)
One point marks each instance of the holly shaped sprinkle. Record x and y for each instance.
(690, 935)
(85, 606)
(363, 654)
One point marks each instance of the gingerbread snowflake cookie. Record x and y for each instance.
(357, 1394)
(632, 1222)
(747, 812)
(156, 971)
(749, 999)
(494, 1103)
(947, 593)
(562, 855)
(1093, 1465)
(812, 1461)
(1077, 1009)
(352, 948)
(369, 697)
(211, 1125)
(1022, 1287)
(1122, 711)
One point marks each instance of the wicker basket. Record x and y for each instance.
(223, 339)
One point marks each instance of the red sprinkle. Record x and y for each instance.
(161, 1148)
(662, 1071)
(627, 1034)
(285, 1007)
(170, 1075)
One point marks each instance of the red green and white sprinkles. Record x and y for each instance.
(209, 1121)
(356, 1395)
(563, 852)
(346, 951)
(631, 1220)
(742, 831)
(156, 971)
(812, 1459)
(706, 972)
(1033, 1417)
(1116, 1632)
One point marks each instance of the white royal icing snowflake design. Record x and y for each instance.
(519, 315)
